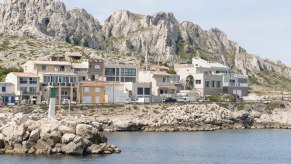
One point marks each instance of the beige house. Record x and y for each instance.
(163, 84)
(26, 86)
(57, 74)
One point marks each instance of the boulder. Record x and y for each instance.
(95, 149)
(65, 129)
(42, 146)
(68, 137)
(7, 131)
(91, 133)
(27, 144)
(74, 148)
(34, 135)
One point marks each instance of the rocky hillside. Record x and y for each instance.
(161, 36)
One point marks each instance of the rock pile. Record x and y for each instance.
(24, 135)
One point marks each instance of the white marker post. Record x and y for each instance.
(52, 106)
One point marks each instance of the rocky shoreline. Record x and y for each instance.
(26, 134)
(78, 132)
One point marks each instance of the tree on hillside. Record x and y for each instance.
(189, 82)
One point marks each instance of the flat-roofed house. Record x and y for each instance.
(121, 72)
(57, 74)
(7, 94)
(91, 93)
(26, 86)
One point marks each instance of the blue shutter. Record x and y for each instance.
(12, 99)
(3, 89)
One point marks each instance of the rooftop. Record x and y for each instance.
(60, 73)
(51, 62)
(22, 74)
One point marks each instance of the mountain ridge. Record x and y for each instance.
(161, 36)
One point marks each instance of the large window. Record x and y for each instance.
(23, 80)
(213, 84)
(110, 78)
(147, 91)
(207, 84)
(23, 89)
(140, 91)
(33, 80)
(128, 72)
(110, 71)
(32, 89)
(97, 89)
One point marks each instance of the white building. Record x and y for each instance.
(211, 78)
(26, 86)
(162, 83)
(7, 94)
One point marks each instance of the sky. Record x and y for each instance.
(262, 27)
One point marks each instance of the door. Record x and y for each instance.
(86, 100)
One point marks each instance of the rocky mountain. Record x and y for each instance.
(159, 38)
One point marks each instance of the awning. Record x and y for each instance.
(168, 87)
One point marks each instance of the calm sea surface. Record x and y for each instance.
(235, 146)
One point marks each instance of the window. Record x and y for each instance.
(129, 72)
(86, 89)
(23, 89)
(140, 91)
(110, 78)
(213, 84)
(117, 71)
(164, 79)
(197, 81)
(218, 84)
(97, 67)
(207, 84)
(33, 80)
(43, 68)
(3, 89)
(23, 80)
(46, 79)
(32, 89)
(130, 79)
(97, 89)
(64, 93)
(147, 91)
(110, 71)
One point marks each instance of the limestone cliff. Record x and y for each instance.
(161, 36)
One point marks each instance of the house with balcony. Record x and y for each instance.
(120, 72)
(26, 86)
(162, 83)
(235, 84)
(57, 74)
(7, 94)
(210, 78)
(89, 69)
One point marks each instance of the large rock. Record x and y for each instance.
(34, 135)
(91, 133)
(66, 129)
(74, 148)
(42, 146)
(68, 137)
(95, 149)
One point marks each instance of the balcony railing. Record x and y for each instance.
(29, 93)
(235, 84)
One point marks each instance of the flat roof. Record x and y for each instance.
(51, 62)
(60, 73)
(22, 74)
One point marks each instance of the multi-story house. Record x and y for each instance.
(209, 78)
(235, 84)
(7, 94)
(57, 74)
(121, 72)
(162, 83)
(89, 69)
(26, 86)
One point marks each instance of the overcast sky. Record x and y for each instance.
(262, 27)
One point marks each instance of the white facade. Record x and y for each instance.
(163, 84)
(115, 93)
(26, 86)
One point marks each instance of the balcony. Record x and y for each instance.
(227, 84)
(29, 93)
